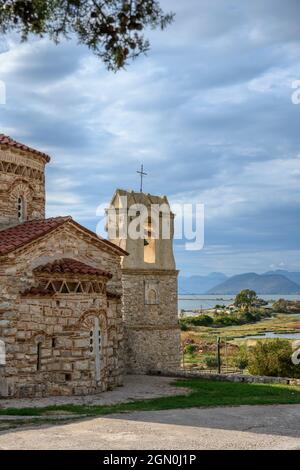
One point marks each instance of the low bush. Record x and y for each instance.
(224, 319)
(183, 325)
(273, 358)
(211, 362)
(190, 349)
(199, 320)
(241, 358)
(280, 306)
(286, 306)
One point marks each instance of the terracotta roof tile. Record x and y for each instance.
(67, 265)
(19, 235)
(27, 232)
(6, 140)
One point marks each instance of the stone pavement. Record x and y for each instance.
(244, 427)
(136, 387)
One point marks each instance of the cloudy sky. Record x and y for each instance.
(208, 112)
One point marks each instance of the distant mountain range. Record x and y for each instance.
(293, 276)
(260, 283)
(272, 282)
(199, 284)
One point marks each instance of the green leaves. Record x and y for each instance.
(245, 298)
(112, 29)
(273, 358)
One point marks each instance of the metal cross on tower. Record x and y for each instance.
(142, 173)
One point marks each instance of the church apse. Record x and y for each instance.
(22, 183)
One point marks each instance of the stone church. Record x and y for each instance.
(77, 311)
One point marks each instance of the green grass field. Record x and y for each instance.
(235, 336)
(203, 393)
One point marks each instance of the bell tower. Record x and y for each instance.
(22, 183)
(143, 225)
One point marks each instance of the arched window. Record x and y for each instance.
(39, 356)
(95, 345)
(151, 292)
(21, 209)
(152, 298)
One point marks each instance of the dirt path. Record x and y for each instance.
(244, 427)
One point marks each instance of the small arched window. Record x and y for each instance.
(152, 298)
(39, 356)
(21, 209)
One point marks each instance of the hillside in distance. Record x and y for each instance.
(260, 283)
(293, 276)
(199, 284)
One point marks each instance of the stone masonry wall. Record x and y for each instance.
(21, 175)
(152, 335)
(62, 323)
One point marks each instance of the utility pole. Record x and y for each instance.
(219, 354)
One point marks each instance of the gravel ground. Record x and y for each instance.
(244, 427)
(136, 387)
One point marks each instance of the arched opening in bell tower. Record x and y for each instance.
(149, 242)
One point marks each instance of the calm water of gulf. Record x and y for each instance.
(272, 335)
(191, 302)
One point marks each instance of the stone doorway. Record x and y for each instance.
(95, 323)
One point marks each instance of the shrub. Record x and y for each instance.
(286, 306)
(190, 349)
(241, 359)
(273, 358)
(240, 318)
(280, 306)
(224, 319)
(183, 325)
(199, 320)
(211, 362)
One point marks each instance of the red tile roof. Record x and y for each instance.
(67, 265)
(6, 140)
(20, 235)
(15, 237)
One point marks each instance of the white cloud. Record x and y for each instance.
(208, 112)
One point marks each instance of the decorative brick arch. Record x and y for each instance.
(86, 321)
(21, 187)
